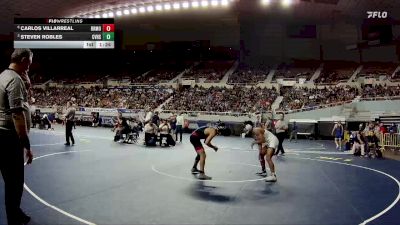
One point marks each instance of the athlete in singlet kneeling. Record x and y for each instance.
(207, 133)
(267, 144)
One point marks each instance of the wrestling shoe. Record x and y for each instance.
(195, 171)
(202, 176)
(262, 173)
(271, 178)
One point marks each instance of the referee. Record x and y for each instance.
(69, 124)
(280, 129)
(15, 122)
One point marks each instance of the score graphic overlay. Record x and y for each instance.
(72, 33)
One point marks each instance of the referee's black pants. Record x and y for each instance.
(12, 170)
(68, 131)
(281, 137)
(179, 130)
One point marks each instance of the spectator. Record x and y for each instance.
(149, 116)
(393, 128)
(180, 120)
(382, 128)
(249, 75)
(300, 98)
(217, 99)
(294, 132)
(165, 129)
(370, 91)
(122, 127)
(150, 134)
(248, 129)
(103, 98)
(35, 119)
(155, 119)
(359, 142)
(46, 122)
(371, 133)
(172, 122)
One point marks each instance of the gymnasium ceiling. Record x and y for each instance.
(316, 9)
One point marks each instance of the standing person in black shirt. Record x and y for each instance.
(280, 128)
(156, 119)
(69, 123)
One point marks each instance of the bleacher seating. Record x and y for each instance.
(369, 91)
(248, 75)
(298, 98)
(212, 71)
(297, 69)
(396, 77)
(216, 99)
(336, 71)
(163, 73)
(38, 78)
(377, 69)
(102, 98)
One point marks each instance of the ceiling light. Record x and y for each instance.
(119, 13)
(126, 12)
(204, 3)
(286, 3)
(185, 5)
(105, 15)
(110, 14)
(142, 9)
(224, 2)
(134, 11)
(167, 6)
(150, 8)
(195, 4)
(176, 5)
(214, 3)
(159, 7)
(265, 2)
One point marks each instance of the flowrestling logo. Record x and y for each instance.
(377, 14)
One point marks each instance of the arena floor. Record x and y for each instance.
(102, 182)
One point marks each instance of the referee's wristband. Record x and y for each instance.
(25, 143)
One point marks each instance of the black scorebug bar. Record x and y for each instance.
(71, 33)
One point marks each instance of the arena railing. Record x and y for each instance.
(197, 113)
(251, 83)
(335, 82)
(380, 98)
(242, 84)
(390, 141)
